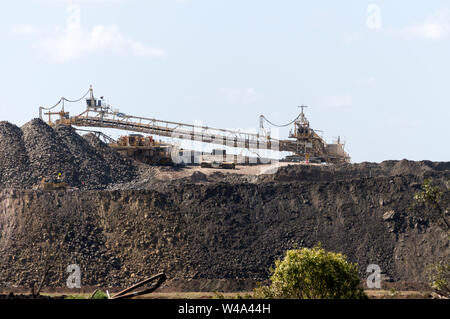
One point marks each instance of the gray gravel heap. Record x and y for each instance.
(14, 162)
(48, 154)
(38, 151)
(92, 168)
(121, 169)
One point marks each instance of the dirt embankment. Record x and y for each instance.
(217, 231)
(125, 221)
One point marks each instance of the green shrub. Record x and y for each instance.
(97, 295)
(440, 278)
(435, 200)
(312, 274)
(100, 295)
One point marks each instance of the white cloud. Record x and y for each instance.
(435, 27)
(337, 100)
(73, 42)
(235, 95)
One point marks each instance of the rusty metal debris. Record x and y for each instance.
(129, 292)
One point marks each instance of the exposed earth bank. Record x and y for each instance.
(223, 229)
(208, 229)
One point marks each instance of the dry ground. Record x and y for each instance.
(240, 169)
(373, 294)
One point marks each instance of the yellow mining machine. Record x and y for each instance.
(144, 149)
(55, 185)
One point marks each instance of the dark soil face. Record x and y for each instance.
(215, 230)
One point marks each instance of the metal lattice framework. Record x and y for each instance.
(97, 114)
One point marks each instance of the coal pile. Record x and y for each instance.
(49, 155)
(14, 161)
(92, 168)
(36, 151)
(146, 179)
(121, 169)
(346, 172)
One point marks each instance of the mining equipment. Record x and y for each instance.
(307, 145)
(47, 185)
(303, 141)
(217, 159)
(144, 149)
(217, 164)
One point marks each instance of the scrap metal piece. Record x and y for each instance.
(128, 292)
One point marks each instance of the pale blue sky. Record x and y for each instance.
(377, 75)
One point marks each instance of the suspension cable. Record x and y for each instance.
(49, 108)
(74, 101)
(64, 99)
(273, 124)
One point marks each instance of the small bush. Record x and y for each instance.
(312, 274)
(440, 278)
(100, 295)
(97, 295)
